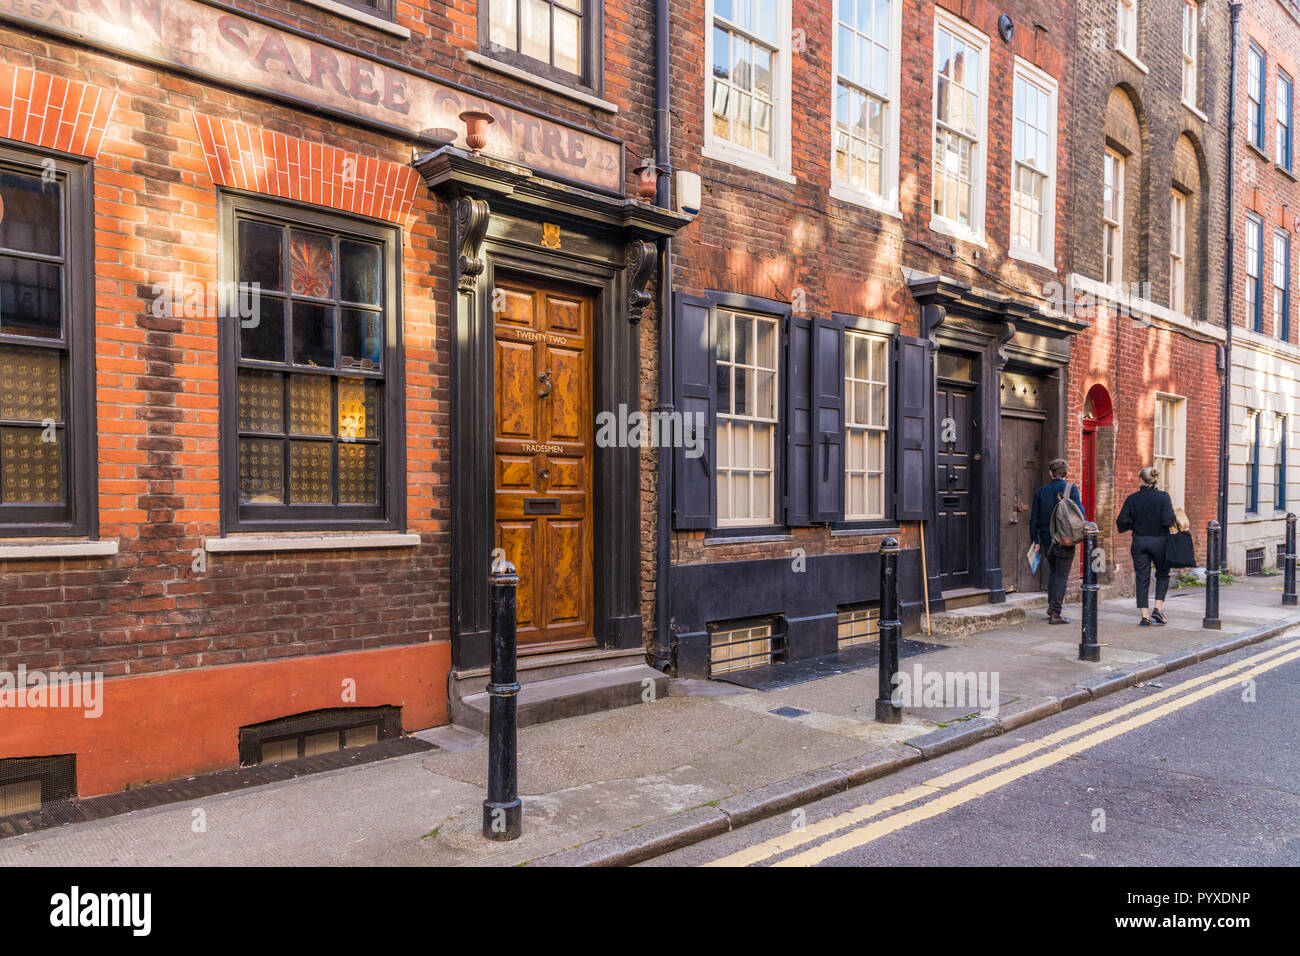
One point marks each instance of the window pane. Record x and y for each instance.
(263, 338)
(502, 23)
(568, 54)
(31, 385)
(261, 402)
(358, 408)
(361, 339)
(261, 471)
(358, 471)
(311, 264)
(310, 472)
(31, 298)
(31, 468)
(313, 335)
(359, 272)
(260, 255)
(536, 29)
(309, 405)
(30, 212)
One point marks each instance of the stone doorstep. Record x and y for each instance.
(973, 619)
(693, 826)
(569, 696)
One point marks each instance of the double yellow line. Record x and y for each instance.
(1017, 762)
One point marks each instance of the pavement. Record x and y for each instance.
(625, 785)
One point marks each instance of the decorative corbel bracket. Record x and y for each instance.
(472, 217)
(640, 259)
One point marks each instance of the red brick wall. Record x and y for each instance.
(761, 236)
(146, 609)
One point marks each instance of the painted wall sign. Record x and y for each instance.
(245, 52)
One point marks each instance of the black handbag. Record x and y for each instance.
(1179, 550)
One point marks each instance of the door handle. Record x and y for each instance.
(545, 390)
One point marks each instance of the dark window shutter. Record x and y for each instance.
(827, 467)
(798, 421)
(694, 375)
(914, 391)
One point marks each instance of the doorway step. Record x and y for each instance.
(554, 686)
(973, 617)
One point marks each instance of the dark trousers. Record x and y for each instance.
(1148, 551)
(1059, 560)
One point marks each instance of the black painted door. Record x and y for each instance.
(1022, 473)
(955, 412)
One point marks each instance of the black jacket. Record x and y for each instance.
(1040, 515)
(1148, 513)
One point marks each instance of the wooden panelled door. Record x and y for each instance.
(543, 459)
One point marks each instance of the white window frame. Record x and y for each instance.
(778, 164)
(1169, 442)
(887, 201)
(1126, 27)
(1254, 260)
(943, 20)
(1047, 256)
(852, 427)
(1256, 92)
(1115, 224)
(1281, 277)
(732, 421)
(1178, 251)
(1191, 52)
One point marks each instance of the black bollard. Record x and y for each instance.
(503, 810)
(1089, 649)
(1212, 577)
(886, 711)
(1288, 583)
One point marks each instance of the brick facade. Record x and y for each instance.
(1265, 361)
(1137, 346)
(161, 608)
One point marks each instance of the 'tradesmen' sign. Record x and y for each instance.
(246, 52)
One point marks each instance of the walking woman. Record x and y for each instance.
(1148, 513)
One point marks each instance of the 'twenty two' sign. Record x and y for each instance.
(249, 53)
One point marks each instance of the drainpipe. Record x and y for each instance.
(1225, 401)
(662, 659)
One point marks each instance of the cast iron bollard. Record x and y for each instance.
(503, 810)
(1212, 577)
(1288, 585)
(886, 711)
(1089, 649)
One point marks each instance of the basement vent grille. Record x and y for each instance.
(741, 647)
(1254, 560)
(28, 784)
(318, 732)
(858, 624)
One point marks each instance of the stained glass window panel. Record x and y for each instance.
(311, 264)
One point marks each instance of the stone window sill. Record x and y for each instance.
(37, 549)
(361, 16)
(261, 543)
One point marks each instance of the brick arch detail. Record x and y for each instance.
(260, 160)
(53, 112)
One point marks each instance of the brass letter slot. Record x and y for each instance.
(541, 506)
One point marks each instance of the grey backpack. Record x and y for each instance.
(1068, 521)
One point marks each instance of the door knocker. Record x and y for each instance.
(545, 379)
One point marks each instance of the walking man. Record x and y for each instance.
(1058, 557)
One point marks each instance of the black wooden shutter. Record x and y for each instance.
(913, 411)
(827, 468)
(694, 377)
(798, 421)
